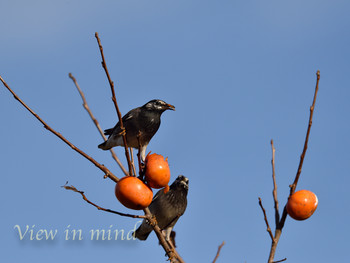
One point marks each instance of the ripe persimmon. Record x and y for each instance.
(133, 193)
(157, 172)
(302, 204)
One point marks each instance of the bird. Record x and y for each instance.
(167, 207)
(143, 121)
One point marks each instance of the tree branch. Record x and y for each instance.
(218, 252)
(72, 188)
(294, 185)
(87, 108)
(107, 172)
(111, 83)
(280, 260)
(274, 192)
(266, 221)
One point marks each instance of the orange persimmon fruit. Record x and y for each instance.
(302, 204)
(157, 173)
(133, 193)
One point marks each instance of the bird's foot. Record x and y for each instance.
(172, 255)
(152, 221)
(123, 132)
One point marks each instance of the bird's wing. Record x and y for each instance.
(128, 116)
(173, 221)
(157, 194)
(109, 131)
(116, 129)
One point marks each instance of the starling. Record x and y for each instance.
(167, 208)
(143, 121)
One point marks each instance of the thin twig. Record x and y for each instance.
(87, 108)
(97, 206)
(294, 185)
(274, 192)
(280, 260)
(104, 65)
(218, 252)
(266, 221)
(107, 172)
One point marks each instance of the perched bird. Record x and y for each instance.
(167, 208)
(143, 120)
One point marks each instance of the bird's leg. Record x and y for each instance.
(171, 242)
(142, 151)
(141, 156)
(141, 166)
(167, 234)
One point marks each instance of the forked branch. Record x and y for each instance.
(281, 221)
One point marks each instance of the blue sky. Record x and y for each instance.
(239, 73)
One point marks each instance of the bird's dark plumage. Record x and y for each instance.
(167, 208)
(144, 120)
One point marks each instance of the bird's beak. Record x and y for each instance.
(170, 107)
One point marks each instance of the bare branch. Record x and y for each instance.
(72, 188)
(294, 185)
(218, 252)
(280, 260)
(266, 221)
(282, 221)
(104, 65)
(107, 172)
(87, 108)
(274, 192)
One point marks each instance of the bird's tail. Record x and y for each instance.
(142, 233)
(104, 146)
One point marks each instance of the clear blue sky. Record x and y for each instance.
(239, 73)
